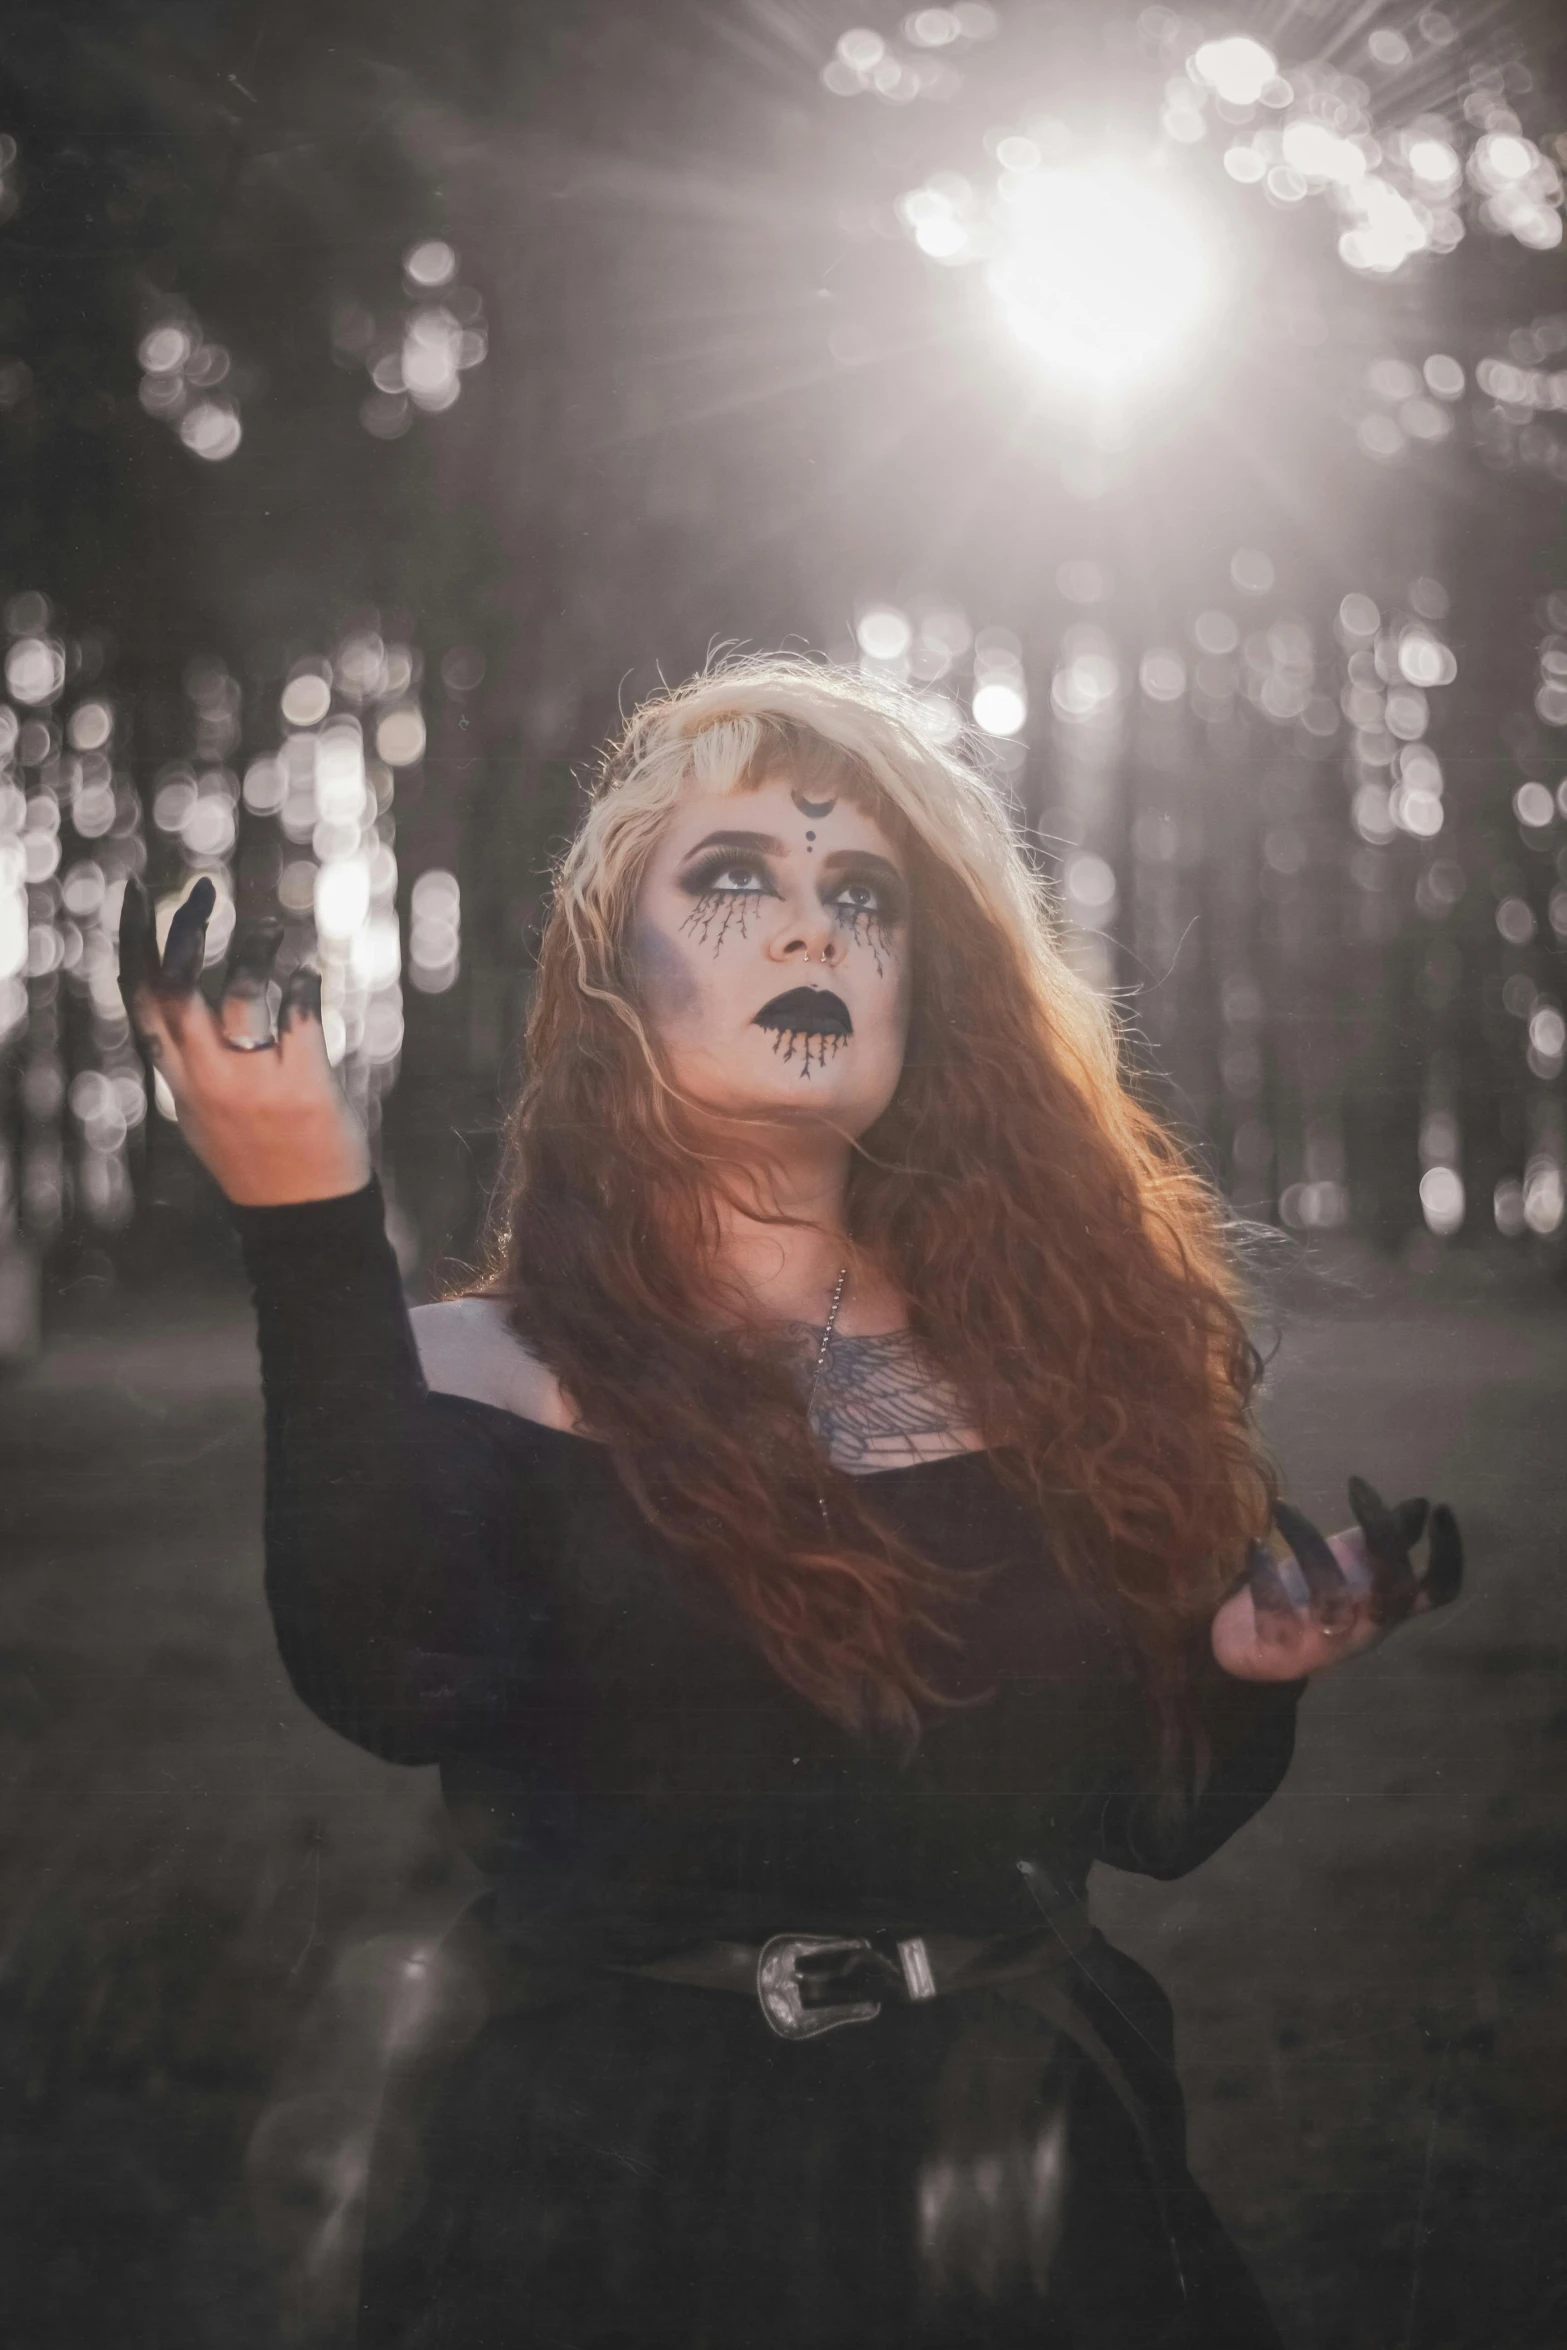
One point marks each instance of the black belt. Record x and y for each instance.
(808, 1984)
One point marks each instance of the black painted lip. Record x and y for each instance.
(807, 1011)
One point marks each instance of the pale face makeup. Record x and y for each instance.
(771, 955)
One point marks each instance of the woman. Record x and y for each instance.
(833, 1525)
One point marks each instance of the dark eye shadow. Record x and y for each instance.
(700, 878)
(874, 873)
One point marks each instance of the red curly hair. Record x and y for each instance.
(1061, 1259)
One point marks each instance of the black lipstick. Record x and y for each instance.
(807, 1011)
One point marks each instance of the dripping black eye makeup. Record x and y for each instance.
(729, 874)
(869, 899)
(727, 878)
(862, 885)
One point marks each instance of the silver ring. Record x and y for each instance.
(251, 1044)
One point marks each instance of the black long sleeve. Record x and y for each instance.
(1249, 1729)
(382, 1525)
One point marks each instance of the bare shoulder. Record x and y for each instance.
(466, 1347)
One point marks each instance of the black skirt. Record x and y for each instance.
(634, 2165)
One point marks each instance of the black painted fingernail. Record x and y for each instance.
(185, 947)
(1445, 1571)
(1375, 1520)
(1324, 1576)
(252, 958)
(1410, 1519)
(1268, 1595)
(1394, 1588)
(137, 943)
(1328, 1595)
(301, 997)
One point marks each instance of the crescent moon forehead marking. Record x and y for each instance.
(816, 808)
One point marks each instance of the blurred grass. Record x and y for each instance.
(183, 1851)
(1369, 1980)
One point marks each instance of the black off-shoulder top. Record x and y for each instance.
(452, 1584)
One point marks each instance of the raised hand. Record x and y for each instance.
(264, 1114)
(1326, 1597)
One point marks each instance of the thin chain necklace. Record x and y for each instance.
(816, 1375)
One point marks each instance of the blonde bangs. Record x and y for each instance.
(749, 718)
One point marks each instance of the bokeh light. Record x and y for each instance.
(415, 356)
(307, 699)
(868, 63)
(1543, 1196)
(1162, 674)
(180, 368)
(400, 737)
(330, 787)
(1237, 69)
(999, 707)
(1442, 1200)
(434, 931)
(884, 633)
(35, 670)
(430, 264)
(76, 1081)
(211, 429)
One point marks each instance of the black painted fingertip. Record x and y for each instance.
(1393, 1585)
(1268, 1596)
(251, 959)
(1325, 1580)
(301, 998)
(185, 947)
(1375, 1520)
(1410, 1519)
(138, 945)
(1444, 1576)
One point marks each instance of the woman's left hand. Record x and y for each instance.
(1329, 1597)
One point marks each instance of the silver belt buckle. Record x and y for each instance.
(778, 1988)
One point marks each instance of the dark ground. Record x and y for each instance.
(210, 1901)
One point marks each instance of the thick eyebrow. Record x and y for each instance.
(763, 842)
(864, 861)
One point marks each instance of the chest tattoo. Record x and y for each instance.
(881, 1404)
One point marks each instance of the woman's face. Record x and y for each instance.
(771, 955)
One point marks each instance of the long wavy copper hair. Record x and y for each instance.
(1061, 1259)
